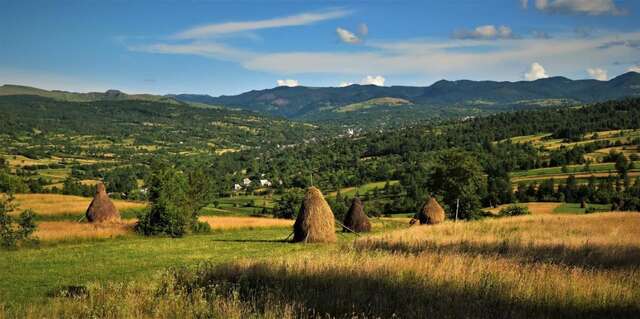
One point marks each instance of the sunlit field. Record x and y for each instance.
(55, 204)
(539, 266)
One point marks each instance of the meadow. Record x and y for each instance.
(538, 266)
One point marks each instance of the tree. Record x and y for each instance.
(12, 231)
(457, 175)
(170, 213)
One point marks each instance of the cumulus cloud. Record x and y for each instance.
(375, 80)
(345, 84)
(485, 32)
(536, 71)
(586, 7)
(347, 36)
(288, 82)
(217, 29)
(598, 74)
(635, 68)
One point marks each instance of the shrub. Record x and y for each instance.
(201, 228)
(14, 232)
(514, 210)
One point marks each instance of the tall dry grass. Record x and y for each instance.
(228, 222)
(55, 204)
(602, 240)
(66, 230)
(544, 266)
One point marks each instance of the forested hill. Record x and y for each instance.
(109, 95)
(148, 123)
(404, 153)
(333, 102)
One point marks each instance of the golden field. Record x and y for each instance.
(226, 223)
(67, 230)
(55, 204)
(538, 266)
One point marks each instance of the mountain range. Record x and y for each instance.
(380, 105)
(307, 102)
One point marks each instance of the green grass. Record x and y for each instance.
(574, 208)
(571, 169)
(30, 274)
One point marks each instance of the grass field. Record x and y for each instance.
(539, 266)
(55, 204)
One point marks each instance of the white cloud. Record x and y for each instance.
(587, 7)
(217, 29)
(485, 32)
(375, 80)
(288, 82)
(347, 36)
(598, 74)
(536, 71)
(635, 68)
(344, 84)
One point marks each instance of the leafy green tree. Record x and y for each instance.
(14, 232)
(457, 175)
(170, 213)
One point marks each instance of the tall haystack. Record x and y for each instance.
(101, 208)
(356, 219)
(315, 222)
(431, 213)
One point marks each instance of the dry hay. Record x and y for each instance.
(101, 208)
(315, 222)
(67, 230)
(431, 213)
(229, 222)
(57, 204)
(356, 220)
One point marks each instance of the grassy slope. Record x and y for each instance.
(546, 266)
(30, 274)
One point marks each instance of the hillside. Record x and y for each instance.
(109, 95)
(310, 103)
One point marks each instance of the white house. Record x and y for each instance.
(265, 182)
(246, 182)
(237, 187)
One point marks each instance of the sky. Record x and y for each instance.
(228, 47)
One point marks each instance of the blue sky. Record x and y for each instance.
(228, 47)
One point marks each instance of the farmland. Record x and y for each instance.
(540, 266)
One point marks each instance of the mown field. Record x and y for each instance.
(539, 266)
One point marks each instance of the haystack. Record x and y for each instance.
(315, 222)
(356, 219)
(431, 213)
(101, 208)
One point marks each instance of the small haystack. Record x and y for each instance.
(315, 222)
(356, 219)
(431, 213)
(101, 208)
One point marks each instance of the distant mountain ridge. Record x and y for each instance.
(307, 102)
(109, 95)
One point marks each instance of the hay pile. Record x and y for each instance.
(315, 222)
(101, 208)
(431, 213)
(356, 219)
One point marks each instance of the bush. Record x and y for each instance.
(201, 228)
(15, 232)
(514, 210)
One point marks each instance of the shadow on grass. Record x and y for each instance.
(251, 240)
(586, 256)
(331, 292)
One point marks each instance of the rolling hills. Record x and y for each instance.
(313, 103)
